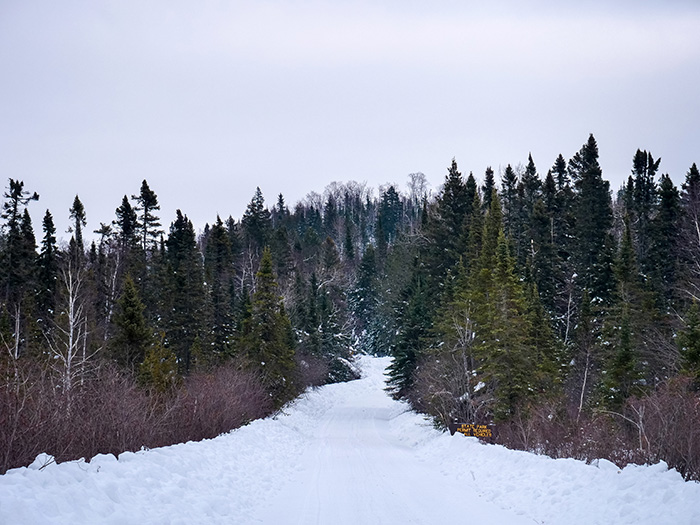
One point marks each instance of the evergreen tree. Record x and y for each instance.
(16, 269)
(257, 223)
(510, 203)
(184, 287)
(364, 296)
(77, 215)
(531, 186)
(159, 368)
(219, 273)
(267, 342)
(126, 223)
(690, 233)
(148, 224)
(507, 356)
(348, 244)
(593, 213)
(47, 267)
(390, 213)
(644, 199)
(488, 187)
(689, 343)
(413, 329)
(132, 336)
(664, 251)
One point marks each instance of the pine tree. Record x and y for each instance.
(364, 297)
(219, 273)
(126, 223)
(508, 358)
(47, 278)
(390, 213)
(148, 224)
(257, 223)
(184, 290)
(446, 229)
(413, 329)
(689, 343)
(644, 199)
(593, 213)
(488, 187)
(77, 215)
(690, 233)
(16, 269)
(531, 186)
(625, 325)
(267, 342)
(132, 336)
(664, 251)
(511, 203)
(159, 368)
(348, 244)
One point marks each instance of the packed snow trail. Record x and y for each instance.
(358, 469)
(344, 453)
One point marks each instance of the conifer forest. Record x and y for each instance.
(538, 300)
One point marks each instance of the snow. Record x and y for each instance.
(344, 453)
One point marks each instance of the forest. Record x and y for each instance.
(559, 311)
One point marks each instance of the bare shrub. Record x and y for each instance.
(444, 386)
(668, 425)
(312, 371)
(110, 413)
(212, 403)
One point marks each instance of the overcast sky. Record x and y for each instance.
(209, 99)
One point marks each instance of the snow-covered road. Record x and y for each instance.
(345, 453)
(359, 468)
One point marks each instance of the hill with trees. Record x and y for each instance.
(559, 311)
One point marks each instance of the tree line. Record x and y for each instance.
(562, 311)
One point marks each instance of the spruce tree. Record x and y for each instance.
(148, 224)
(267, 343)
(592, 248)
(644, 199)
(184, 290)
(488, 187)
(689, 343)
(219, 273)
(664, 251)
(132, 336)
(77, 215)
(48, 261)
(15, 265)
(257, 223)
(413, 328)
(126, 223)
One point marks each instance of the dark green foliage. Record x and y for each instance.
(148, 223)
(413, 320)
(267, 342)
(77, 215)
(132, 336)
(390, 214)
(19, 243)
(47, 267)
(689, 344)
(219, 276)
(593, 220)
(182, 310)
(488, 187)
(126, 223)
(257, 223)
(664, 248)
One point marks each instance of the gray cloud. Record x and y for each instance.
(207, 100)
